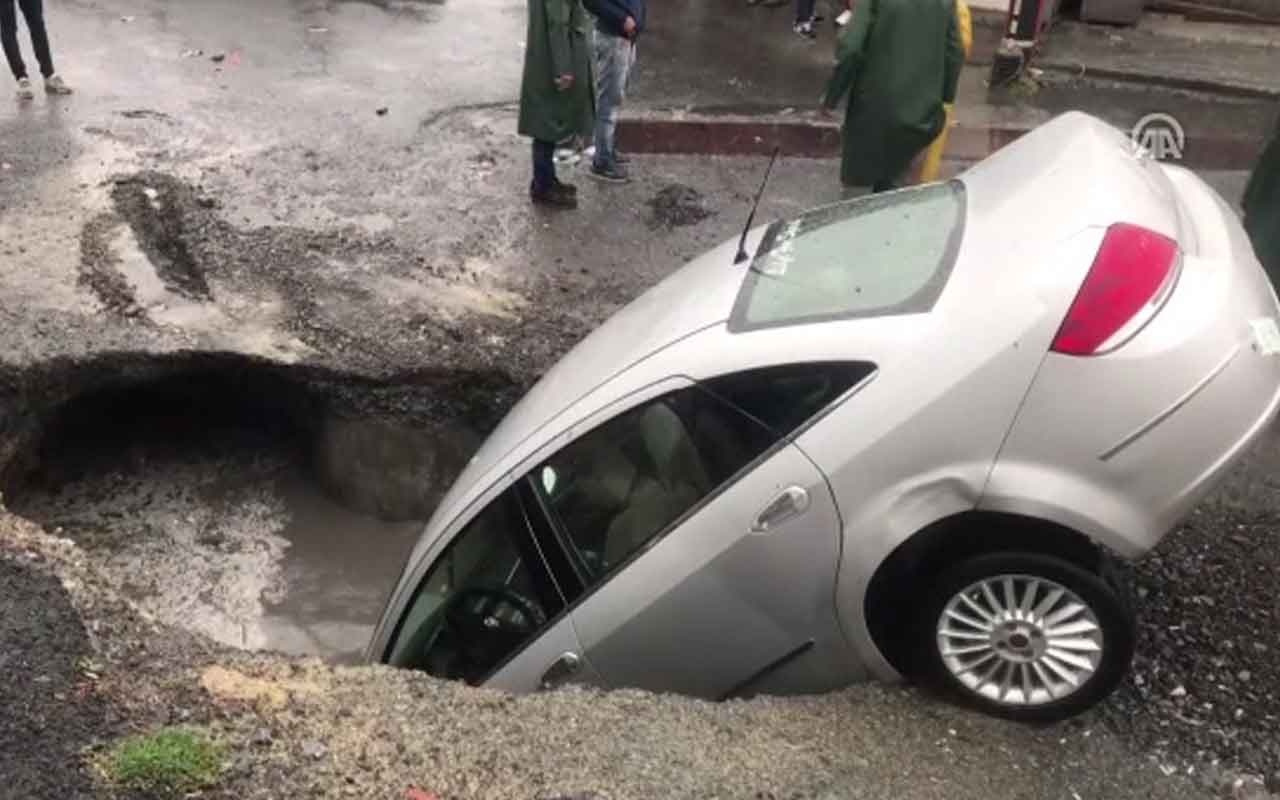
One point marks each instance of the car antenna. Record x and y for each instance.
(742, 243)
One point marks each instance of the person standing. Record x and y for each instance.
(557, 96)
(806, 17)
(931, 164)
(33, 13)
(1262, 208)
(898, 63)
(618, 26)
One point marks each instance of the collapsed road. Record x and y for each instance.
(233, 355)
(196, 500)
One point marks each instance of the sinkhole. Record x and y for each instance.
(265, 506)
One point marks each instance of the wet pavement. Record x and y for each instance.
(722, 59)
(1231, 59)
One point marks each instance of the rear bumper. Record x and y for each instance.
(1122, 447)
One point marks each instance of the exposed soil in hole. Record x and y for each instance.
(267, 507)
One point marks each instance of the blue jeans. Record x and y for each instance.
(615, 57)
(804, 10)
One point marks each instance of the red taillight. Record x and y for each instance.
(1129, 279)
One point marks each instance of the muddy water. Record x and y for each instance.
(240, 545)
(337, 574)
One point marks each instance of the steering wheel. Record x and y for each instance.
(481, 637)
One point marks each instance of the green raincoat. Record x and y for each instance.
(1262, 208)
(898, 62)
(559, 43)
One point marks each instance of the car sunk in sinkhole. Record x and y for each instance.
(909, 437)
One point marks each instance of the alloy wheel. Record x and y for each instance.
(1020, 640)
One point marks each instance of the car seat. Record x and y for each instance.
(670, 483)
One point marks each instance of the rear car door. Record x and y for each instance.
(707, 543)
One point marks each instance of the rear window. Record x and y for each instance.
(873, 256)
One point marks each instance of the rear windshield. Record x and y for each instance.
(873, 256)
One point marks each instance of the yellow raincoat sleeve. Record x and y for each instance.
(933, 158)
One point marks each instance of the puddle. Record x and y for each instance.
(336, 575)
(246, 550)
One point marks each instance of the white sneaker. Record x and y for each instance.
(55, 85)
(24, 90)
(567, 156)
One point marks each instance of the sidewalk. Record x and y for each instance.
(723, 77)
(1237, 60)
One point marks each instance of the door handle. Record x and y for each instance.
(564, 668)
(793, 502)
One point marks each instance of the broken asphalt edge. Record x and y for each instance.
(686, 133)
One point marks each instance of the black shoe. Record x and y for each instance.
(553, 198)
(805, 29)
(567, 188)
(611, 173)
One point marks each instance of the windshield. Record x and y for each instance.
(883, 254)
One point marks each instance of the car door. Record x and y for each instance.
(708, 543)
(488, 609)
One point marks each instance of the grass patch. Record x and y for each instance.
(171, 761)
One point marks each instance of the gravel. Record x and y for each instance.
(301, 728)
(1206, 680)
(50, 707)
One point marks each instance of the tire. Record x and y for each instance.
(1020, 666)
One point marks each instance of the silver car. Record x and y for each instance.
(907, 438)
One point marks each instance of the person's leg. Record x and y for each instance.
(804, 18)
(612, 53)
(915, 170)
(546, 189)
(33, 13)
(630, 63)
(9, 39)
(544, 165)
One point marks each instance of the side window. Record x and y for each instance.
(786, 397)
(625, 482)
(487, 596)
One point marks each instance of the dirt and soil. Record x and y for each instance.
(98, 668)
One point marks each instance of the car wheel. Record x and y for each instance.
(1024, 636)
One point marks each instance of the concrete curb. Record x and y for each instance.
(1086, 72)
(679, 133)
